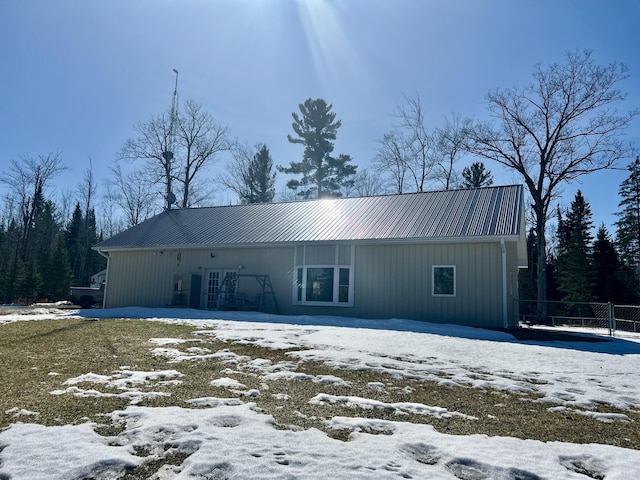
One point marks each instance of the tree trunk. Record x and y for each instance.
(185, 192)
(542, 264)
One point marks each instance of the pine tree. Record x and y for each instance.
(57, 279)
(45, 238)
(4, 260)
(10, 260)
(609, 283)
(322, 174)
(73, 237)
(260, 178)
(575, 277)
(28, 281)
(80, 235)
(94, 261)
(628, 225)
(476, 176)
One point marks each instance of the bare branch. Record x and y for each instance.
(560, 127)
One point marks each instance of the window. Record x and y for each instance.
(319, 284)
(324, 275)
(323, 285)
(444, 280)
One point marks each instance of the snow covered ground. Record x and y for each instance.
(230, 438)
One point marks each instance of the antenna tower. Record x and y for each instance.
(169, 144)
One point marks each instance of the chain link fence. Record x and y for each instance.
(582, 314)
(627, 318)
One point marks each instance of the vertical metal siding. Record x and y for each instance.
(390, 281)
(146, 278)
(395, 281)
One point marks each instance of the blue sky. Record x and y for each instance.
(76, 75)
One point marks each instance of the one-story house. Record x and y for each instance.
(443, 256)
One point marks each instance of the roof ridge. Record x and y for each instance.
(381, 195)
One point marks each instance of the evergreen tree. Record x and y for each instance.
(94, 262)
(80, 235)
(528, 280)
(10, 260)
(475, 176)
(28, 281)
(575, 277)
(261, 179)
(73, 238)
(4, 260)
(609, 283)
(628, 224)
(45, 238)
(322, 174)
(57, 273)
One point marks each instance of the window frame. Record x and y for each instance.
(433, 281)
(301, 287)
(300, 280)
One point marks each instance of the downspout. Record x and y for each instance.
(505, 316)
(106, 278)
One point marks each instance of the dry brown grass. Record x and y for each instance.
(36, 357)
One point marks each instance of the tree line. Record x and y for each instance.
(561, 126)
(41, 251)
(582, 267)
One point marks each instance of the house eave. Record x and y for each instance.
(368, 241)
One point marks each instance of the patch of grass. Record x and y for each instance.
(38, 356)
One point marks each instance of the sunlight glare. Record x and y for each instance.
(334, 57)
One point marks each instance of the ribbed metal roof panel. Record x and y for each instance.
(480, 212)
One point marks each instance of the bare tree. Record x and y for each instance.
(178, 146)
(88, 188)
(133, 193)
(110, 221)
(287, 194)
(28, 181)
(201, 140)
(560, 127)
(411, 154)
(366, 184)
(417, 142)
(237, 170)
(65, 204)
(392, 159)
(152, 140)
(450, 140)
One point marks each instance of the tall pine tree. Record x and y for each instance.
(322, 174)
(575, 277)
(80, 235)
(260, 181)
(628, 224)
(610, 282)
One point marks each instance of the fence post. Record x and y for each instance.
(612, 319)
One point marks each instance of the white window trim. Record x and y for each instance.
(336, 287)
(433, 281)
(336, 280)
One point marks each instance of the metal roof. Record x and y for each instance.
(475, 212)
